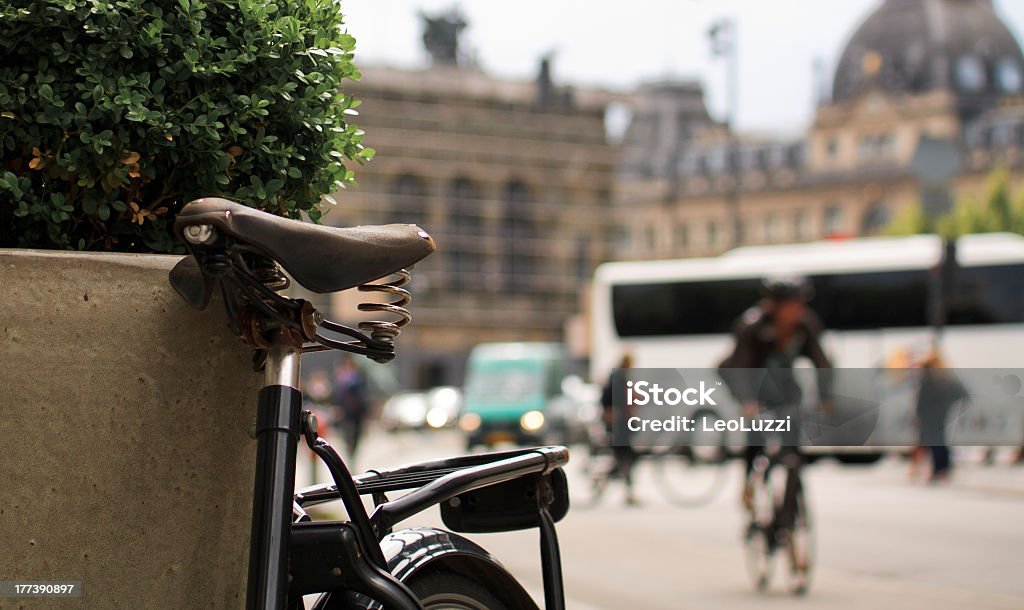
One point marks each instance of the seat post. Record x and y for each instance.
(277, 434)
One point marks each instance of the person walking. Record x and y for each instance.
(613, 401)
(350, 398)
(939, 391)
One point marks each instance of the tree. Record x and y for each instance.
(999, 209)
(911, 220)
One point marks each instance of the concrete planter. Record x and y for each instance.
(125, 460)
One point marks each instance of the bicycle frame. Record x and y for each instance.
(277, 433)
(290, 555)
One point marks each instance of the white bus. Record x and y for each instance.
(872, 295)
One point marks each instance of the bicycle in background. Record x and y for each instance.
(689, 469)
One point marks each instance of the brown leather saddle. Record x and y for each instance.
(320, 258)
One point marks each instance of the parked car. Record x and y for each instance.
(404, 411)
(444, 405)
(513, 393)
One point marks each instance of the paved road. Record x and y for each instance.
(882, 542)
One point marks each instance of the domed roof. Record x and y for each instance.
(914, 46)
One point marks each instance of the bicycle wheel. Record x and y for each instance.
(442, 590)
(800, 549)
(693, 474)
(598, 469)
(758, 538)
(759, 557)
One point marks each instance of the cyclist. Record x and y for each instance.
(770, 337)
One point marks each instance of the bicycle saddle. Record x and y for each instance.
(320, 258)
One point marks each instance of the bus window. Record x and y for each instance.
(845, 301)
(864, 301)
(681, 308)
(991, 294)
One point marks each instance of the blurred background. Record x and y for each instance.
(606, 177)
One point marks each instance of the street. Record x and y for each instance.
(882, 541)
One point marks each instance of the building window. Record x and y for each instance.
(749, 159)
(623, 237)
(771, 229)
(875, 219)
(974, 136)
(682, 236)
(1002, 135)
(795, 155)
(519, 234)
(1009, 76)
(583, 268)
(712, 234)
(408, 200)
(876, 148)
(833, 220)
(832, 147)
(800, 228)
(465, 260)
(717, 161)
(650, 237)
(690, 165)
(970, 73)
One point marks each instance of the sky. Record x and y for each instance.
(617, 45)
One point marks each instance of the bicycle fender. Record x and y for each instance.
(413, 550)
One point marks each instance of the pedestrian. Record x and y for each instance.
(350, 399)
(316, 398)
(613, 401)
(939, 391)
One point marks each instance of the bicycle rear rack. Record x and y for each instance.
(450, 482)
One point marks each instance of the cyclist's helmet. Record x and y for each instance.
(787, 288)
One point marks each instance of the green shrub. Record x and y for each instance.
(114, 114)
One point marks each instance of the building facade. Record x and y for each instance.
(525, 194)
(941, 69)
(513, 180)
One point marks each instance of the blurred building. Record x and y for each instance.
(513, 180)
(946, 69)
(525, 193)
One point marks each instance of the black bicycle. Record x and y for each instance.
(689, 468)
(363, 562)
(778, 516)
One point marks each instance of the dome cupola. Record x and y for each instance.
(917, 46)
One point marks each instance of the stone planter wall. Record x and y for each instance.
(125, 460)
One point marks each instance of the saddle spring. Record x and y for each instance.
(387, 330)
(249, 288)
(374, 339)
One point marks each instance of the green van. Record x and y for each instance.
(513, 393)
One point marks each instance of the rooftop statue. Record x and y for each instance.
(441, 36)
